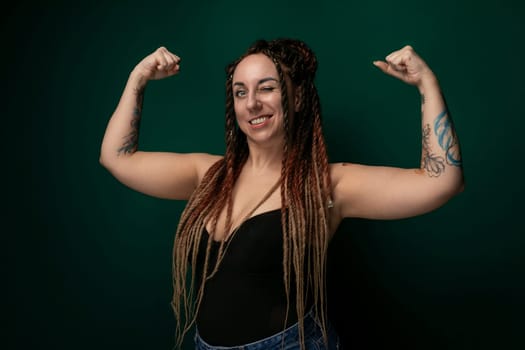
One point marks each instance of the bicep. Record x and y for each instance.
(379, 192)
(163, 174)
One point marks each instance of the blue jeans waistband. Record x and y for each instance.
(287, 339)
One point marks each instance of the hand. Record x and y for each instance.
(406, 65)
(158, 65)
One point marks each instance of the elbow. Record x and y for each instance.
(460, 185)
(445, 195)
(107, 161)
(103, 161)
(455, 188)
(108, 158)
(114, 163)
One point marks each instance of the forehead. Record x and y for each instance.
(254, 67)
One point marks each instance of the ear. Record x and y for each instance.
(298, 98)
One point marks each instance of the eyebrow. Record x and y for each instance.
(264, 80)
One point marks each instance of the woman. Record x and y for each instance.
(254, 234)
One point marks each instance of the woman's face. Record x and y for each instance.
(257, 99)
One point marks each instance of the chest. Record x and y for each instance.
(255, 248)
(250, 197)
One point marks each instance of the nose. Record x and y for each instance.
(253, 102)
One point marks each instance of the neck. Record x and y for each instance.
(265, 157)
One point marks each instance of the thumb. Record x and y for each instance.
(383, 66)
(388, 69)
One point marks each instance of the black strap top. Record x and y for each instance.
(245, 300)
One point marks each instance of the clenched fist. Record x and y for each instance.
(158, 65)
(406, 65)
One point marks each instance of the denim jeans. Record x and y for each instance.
(285, 340)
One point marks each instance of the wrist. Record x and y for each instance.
(137, 78)
(428, 83)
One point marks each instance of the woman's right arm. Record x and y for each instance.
(159, 174)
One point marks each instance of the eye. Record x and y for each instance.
(267, 88)
(239, 93)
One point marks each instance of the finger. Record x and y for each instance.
(397, 65)
(404, 56)
(395, 59)
(401, 55)
(173, 65)
(168, 53)
(393, 56)
(176, 58)
(399, 61)
(170, 61)
(160, 56)
(161, 61)
(174, 70)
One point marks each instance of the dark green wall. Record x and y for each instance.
(88, 260)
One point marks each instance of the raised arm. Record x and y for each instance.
(377, 192)
(159, 174)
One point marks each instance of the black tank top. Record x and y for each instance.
(245, 300)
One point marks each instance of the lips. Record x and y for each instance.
(259, 120)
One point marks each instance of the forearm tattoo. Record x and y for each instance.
(131, 140)
(434, 165)
(447, 138)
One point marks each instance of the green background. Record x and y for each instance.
(88, 261)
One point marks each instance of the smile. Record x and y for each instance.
(259, 120)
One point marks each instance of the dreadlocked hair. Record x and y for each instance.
(305, 195)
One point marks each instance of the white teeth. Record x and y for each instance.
(258, 120)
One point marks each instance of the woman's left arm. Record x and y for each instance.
(389, 192)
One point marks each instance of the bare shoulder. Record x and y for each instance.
(340, 170)
(352, 185)
(345, 177)
(203, 162)
(205, 159)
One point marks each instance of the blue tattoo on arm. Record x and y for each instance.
(447, 139)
